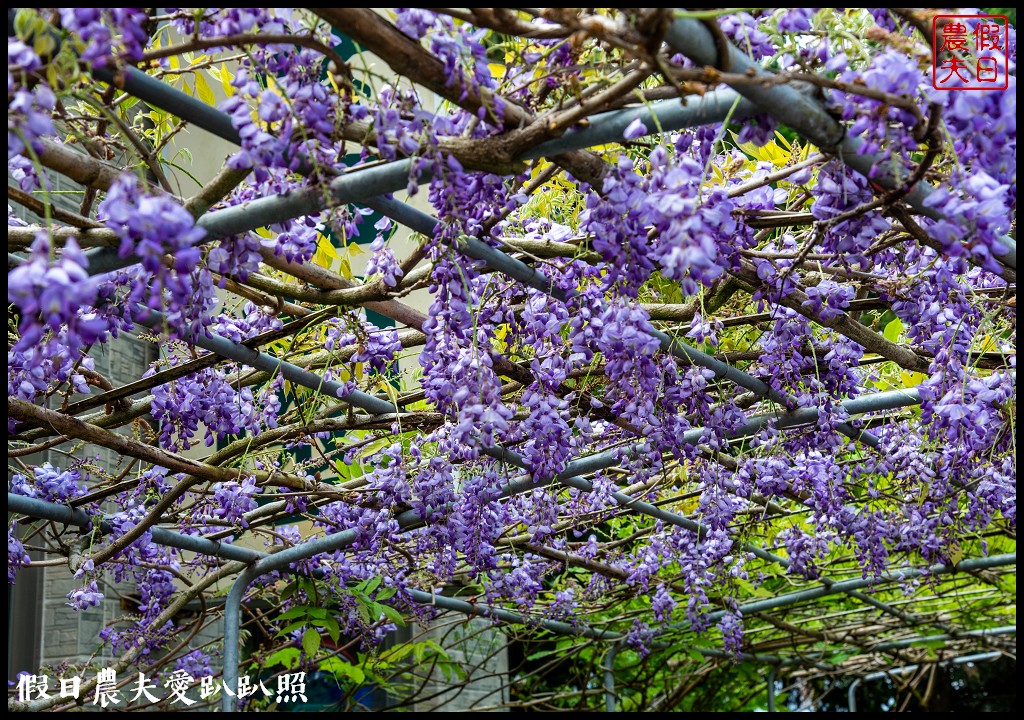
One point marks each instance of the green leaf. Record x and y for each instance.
(292, 627)
(393, 615)
(287, 657)
(300, 611)
(893, 330)
(369, 585)
(340, 667)
(331, 626)
(204, 91)
(311, 642)
(396, 653)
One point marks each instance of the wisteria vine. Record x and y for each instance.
(737, 241)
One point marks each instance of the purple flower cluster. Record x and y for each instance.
(233, 499)
(589, 375)
(972, 414)
(151, 226)
(384, 264)
(376, 347)
(85, 597)
(839, 190)
(692, 235)
(297, 100)
(108, 33)
(731, 626)
(55, 297)
(206, 398)
(29, 112)
(49, 483)
(235, 256)
(401, 124)
(983, 129)
(797, 20)
(882, 126)
(828, 299)
(17, 557)
(459, 48)
(743, 29)
(662, 604)
(974, 218)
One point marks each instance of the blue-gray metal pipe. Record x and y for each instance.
(610, 704)
(159, 94)
(910, 642)
(268, 363)
(263, 563)
(475, 248)
(851, 695)
(66, 515)
(809, 118)
(875, 402)
(233, 604)
(607, 127)
(370, 185)
(575, 471)
(771, 688)
(645, 508)
(232, 635)
(355, 186)
(802, 113)
(909, 573)
(507, 616)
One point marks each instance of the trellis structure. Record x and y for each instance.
(555, 140)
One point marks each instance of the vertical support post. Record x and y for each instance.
(609, 677)
(232, 633)
(771, 688)
(851, 696)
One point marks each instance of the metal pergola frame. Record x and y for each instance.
(371, 187)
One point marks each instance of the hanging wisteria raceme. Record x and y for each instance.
(603, 369)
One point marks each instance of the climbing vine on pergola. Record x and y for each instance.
(717, 361)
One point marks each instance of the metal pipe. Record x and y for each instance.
(852, 692)
(609, 677)
(771, 688)
(268, 363)
(330, 543)
(232, 633)
(351, 187)
(477, 609)
(382, 179)
(910, 642)
(371, 185)
(908, 573)
(809, 118)
(607, 127)
(159, 94)
(263, 563)
(68, 516)
(645, 508)
(875, 402)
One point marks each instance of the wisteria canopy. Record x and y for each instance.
(715, 370)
